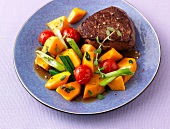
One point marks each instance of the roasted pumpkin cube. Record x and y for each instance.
(70, 90)
(57, 80)
(53, 45)
(60, 23)
(92, 88)
(128, 63)
(76, 15)
(111, 54)
(87, 48)
(88, 59)
(117, 84)
(41, 63)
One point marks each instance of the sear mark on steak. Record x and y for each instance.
(96, 25)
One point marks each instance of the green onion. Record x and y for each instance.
(120, 72)
(61, 22)
(53, 72)
(66, 61)
(107, 81)
(130, 61)
(100, 97)
(70, 62)
(75, 47)
(71, 88)
(63, 77)
(112, 75)
(51, 61)
(90, 92)
(57, 49)
(87, 56)
(58, 34)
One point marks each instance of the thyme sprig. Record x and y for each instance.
(109, 32)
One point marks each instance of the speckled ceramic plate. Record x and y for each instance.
(27, 41)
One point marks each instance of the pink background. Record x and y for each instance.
(19, 110)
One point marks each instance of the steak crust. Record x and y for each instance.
(97, 24)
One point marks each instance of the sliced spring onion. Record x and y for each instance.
(119, 72)
(66, 62)
(58, 34)
(51, 61)
(70, 62)
(90, 92)
(53, 72)
(112, 75)
(75, 47)
(107, 81)
(100, 97)
(63, 77)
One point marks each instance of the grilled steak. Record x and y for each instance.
(97, 24)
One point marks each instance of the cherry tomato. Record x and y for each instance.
(71, 33)
(109, 65)
(45, 35)
(83, 74)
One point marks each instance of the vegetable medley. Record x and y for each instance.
(74, 67)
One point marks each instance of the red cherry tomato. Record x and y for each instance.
(83, 74)
(45, 35)
(71, 33)
(109, 65)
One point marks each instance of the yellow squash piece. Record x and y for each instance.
(41, 63)
(76, 15)
(87, 48)
(88, 59)
(53, 45)
(60, 23)
(92, 88)
(73, 56)
(70, 90)
(111, 54)
(117, 84)
(57, 80)
(128, 63)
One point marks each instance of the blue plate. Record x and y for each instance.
(147, 44)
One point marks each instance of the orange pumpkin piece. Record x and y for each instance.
(53, 45)
(88, 59)
(87, 48)
(41, 63)
(70, 90)
(60, 23)
(117, 84)
(128, 63)
(76, 15)
(111, 54)
(92, 88)
(57, 80)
